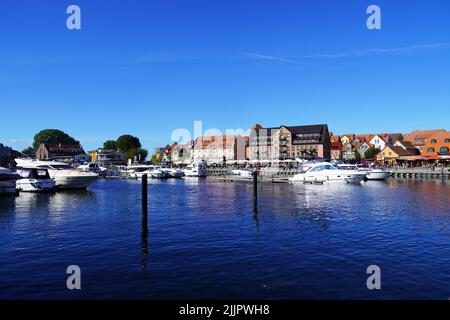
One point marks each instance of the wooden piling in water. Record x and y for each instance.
(144, 192)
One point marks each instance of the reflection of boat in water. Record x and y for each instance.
(325, 172)
(8, 181)
(34, 180)
(64, 175)
(195, 169)
(371, 173)
(243, 173)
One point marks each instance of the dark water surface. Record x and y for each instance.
(206, 240)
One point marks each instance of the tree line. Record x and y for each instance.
(129, 145)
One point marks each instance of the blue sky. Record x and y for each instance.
(149, 67)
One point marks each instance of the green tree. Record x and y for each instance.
(156, 158)
(53, 136)
(110, 144)
(127, 142)
(357, 156)
(371, 153)
(29, 152)
(138, 154)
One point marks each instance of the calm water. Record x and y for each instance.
(206, 240)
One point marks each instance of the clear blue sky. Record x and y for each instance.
(149, 67)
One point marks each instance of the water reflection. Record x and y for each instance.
(212, 239)
(144, 241)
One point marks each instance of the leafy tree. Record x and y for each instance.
(127, 142)
(156, 158)
(139, 153)
(53, 136)
(110, 144)
(143, 153)
(371, 153)
(357, 156)
(29, 152)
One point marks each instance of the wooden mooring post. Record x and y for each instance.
(144, 192)
(255, 186)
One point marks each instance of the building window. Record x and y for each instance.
(433, 141)
(447, 140)
(444, 150)
(430, 150)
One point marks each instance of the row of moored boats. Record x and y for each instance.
(38, 176)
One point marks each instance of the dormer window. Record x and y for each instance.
(433, 141)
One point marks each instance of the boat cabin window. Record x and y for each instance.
(34, 173)
(41, 174)
(318, 168)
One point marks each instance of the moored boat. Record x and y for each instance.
(64, 175)
(371, 173)
(34, 180)
(325, 172)
(173, 172)
(7, 181)
(195, 169)
(375, 174)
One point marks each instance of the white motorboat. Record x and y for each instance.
(195, 169)
(173, 172)
(92, 167)
(64, 175)
(155, 172)
(325, 172)
(34, 180)
(8, 181)
(371, 173)
(375, 174)
(137, 170)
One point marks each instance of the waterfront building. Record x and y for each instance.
(336, 149)
(161, 151)
(347, 138)
(107, 157)
(391, 154)
(362, 147)
(61, 152)
(419, 138)
(286, 142)
(378, 141)
(438, 145)
(407, 146)
(260, 143)
(182, 153)
(348, 151)
(392, 138)
(218, 149)
(359, 138)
